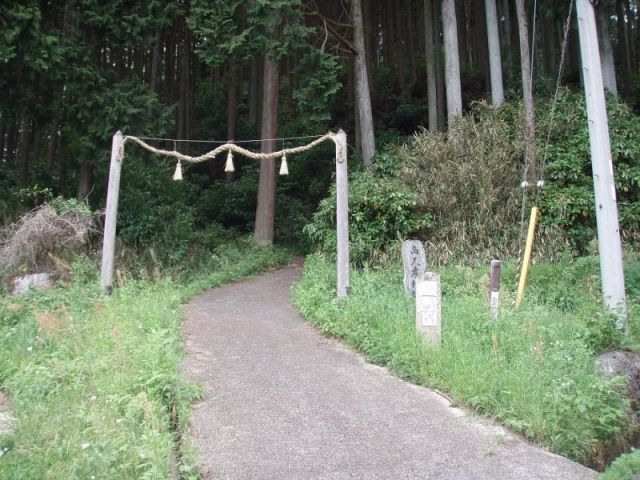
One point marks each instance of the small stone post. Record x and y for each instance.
(428, 305)
(342, 213)
(111, 215)
(494, 289)
(414, 260)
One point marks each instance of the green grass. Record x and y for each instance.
(95, 381)
(532, 369)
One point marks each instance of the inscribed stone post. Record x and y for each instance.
(414, 260)
(428, 307)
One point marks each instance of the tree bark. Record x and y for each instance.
(527, 92)
(495, 59)
(23, 151)
(623, 46)
(363, 96)
(411, 47)
(606, 51)
(442, 122)
(506, 12)
(2, 133)
(85, 181)
(265, 210)
(155, 63)
(253, 92)
(53, 143)
(452, 60)
(232, 111)
(430, 56)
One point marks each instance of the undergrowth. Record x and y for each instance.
(532, 369)
(95, 381)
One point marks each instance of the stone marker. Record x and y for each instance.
(414, 260)
(23, 283)
(428, 307)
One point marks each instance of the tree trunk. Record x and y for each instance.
(23, 152)
(12, 141)
(527, 92)
(155, 63)
(265, 211)
(606, 51)
(363, 96)
(253, 92)
(452, 60)
(623, 47)
(232, 111)
(411, 47)
(506, 12)
(2, 132)
(495, 59)
(53, 142)
(85, 181)
(442, 122)
(430, 55)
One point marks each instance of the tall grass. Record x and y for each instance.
(95, 381)
(532, 369)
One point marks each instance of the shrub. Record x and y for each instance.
(568, 200)
(468, 181)
(382, 210)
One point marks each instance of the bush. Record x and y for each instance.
(568, 199)
(468, 181)
(381, 210)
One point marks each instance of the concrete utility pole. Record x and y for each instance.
(495, 60)
(611, 269)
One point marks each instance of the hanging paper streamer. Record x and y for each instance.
(284, 168)
(229, 165)
(177, 175)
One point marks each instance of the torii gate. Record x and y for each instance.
(342, 187)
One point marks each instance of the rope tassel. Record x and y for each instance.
(229, 165)
(284, 168)
(177, 175)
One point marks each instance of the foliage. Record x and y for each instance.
(533, 369)
(241, 29)
(96, 382)
(467, 180)
(626, 467)
(567, 199)
(381, 211)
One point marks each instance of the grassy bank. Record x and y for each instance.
(532, 369)
(95, 381)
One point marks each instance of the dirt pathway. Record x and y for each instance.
(283, 402)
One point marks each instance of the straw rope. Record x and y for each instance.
(227, 147)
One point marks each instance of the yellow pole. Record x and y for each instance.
(527, 256)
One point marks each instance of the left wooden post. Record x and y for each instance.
(111, 216)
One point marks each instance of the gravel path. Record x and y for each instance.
(283, 402)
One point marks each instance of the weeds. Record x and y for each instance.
(95, 381)
(532, 369)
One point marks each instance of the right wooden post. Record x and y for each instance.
(342, 214)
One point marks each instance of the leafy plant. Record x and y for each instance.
(381, 210)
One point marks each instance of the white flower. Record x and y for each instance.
(84, 446)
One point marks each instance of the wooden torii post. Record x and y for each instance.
(342, 211)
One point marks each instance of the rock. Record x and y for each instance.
(623, 363)
(6, 419)
(24, 283)
(414, 260)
